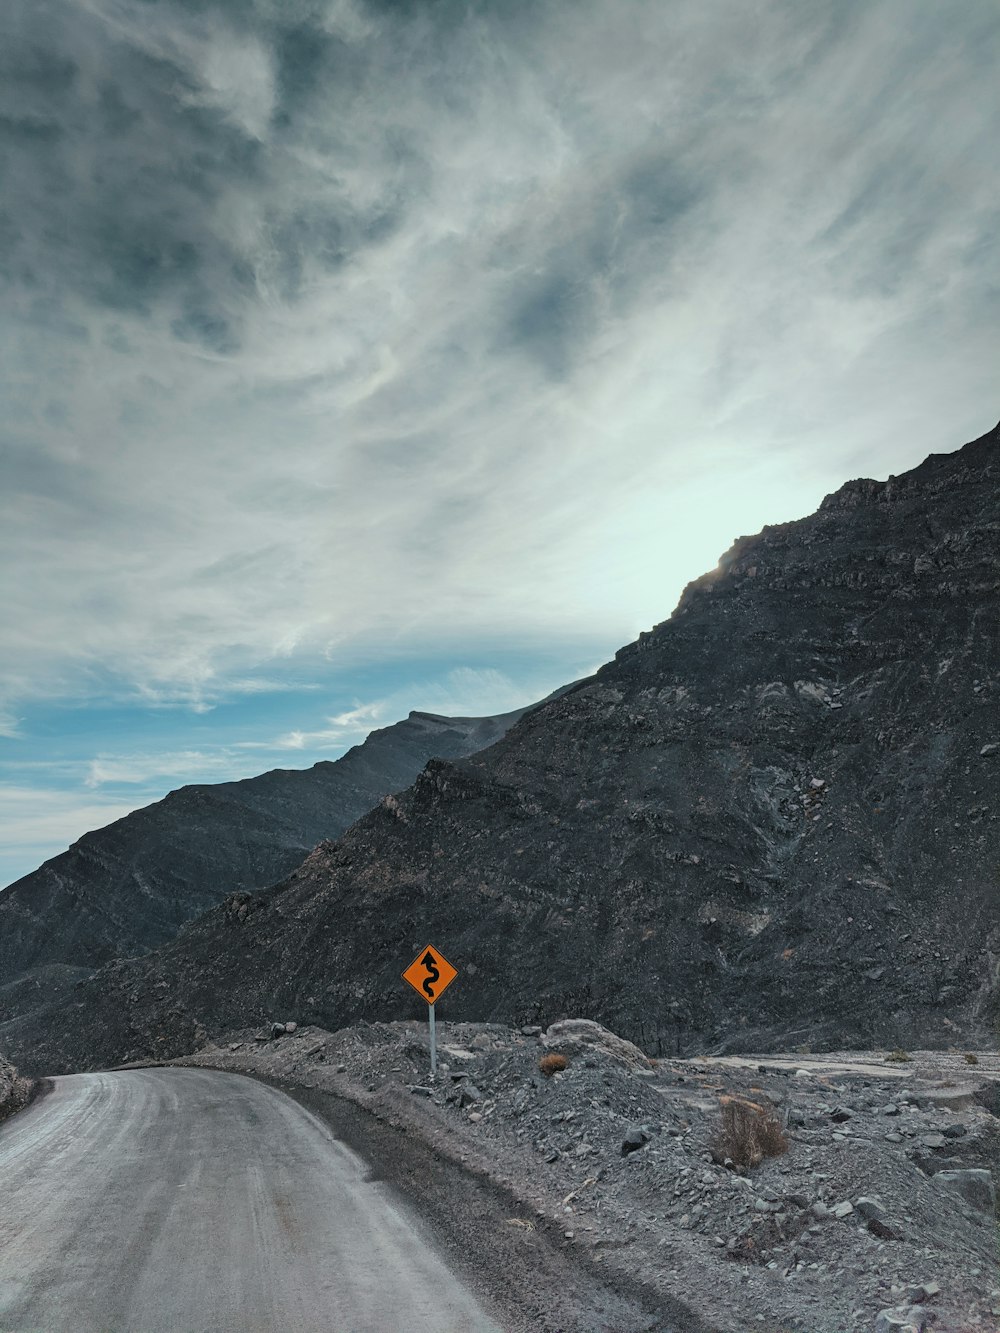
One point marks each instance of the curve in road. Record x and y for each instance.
(190, 1200)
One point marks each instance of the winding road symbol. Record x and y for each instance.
(430, 974)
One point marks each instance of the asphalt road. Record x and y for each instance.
(185, 1199)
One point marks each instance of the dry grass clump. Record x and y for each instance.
(899, 1057)
(552, 1064)
(971, 1059)
(749, 1132)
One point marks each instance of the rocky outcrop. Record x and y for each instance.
(15, 1091)
(129, 887)
(769, 821)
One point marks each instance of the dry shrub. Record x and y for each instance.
(552, 1064)
(749, 1133)
(899, 1057)
(971, 1059)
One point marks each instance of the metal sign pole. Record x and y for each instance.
(434, 1053)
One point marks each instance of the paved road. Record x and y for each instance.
(184, 1199)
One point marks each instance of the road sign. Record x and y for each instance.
(430, 974)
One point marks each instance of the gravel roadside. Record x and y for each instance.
(595, 1198)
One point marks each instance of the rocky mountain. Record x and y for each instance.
(129, 887)
(772, 820)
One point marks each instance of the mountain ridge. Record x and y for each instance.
(769, 820)
(129, 886)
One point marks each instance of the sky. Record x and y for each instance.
(359, 356)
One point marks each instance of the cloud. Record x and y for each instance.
(336, 331)
(143, 769)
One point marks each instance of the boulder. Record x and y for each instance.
(577, 1036)
(974, 1185)
(635, 1138)
(988, 1097)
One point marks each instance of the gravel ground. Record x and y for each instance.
(609, 1178)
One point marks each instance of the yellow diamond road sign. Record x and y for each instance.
(430, 974)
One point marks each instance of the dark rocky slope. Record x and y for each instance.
(129, 887)
(772, 820)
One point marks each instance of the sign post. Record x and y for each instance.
(430, 974)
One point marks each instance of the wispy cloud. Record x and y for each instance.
(341, 329)
(9, 725)
(141, 769)
(344, 334)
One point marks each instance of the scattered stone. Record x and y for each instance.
(529, 1030)
(932, 1141)
(869, 1208)
(840, 1114)
(844, 1209)
(458, 1053)
(277, 1029)
(291, 1027)
(421, 1090)
(464, 1094)
(992, 748)
(926, 1291)
(902, 1319)
(879, 1228)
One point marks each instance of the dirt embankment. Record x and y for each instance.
(605, 1200)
